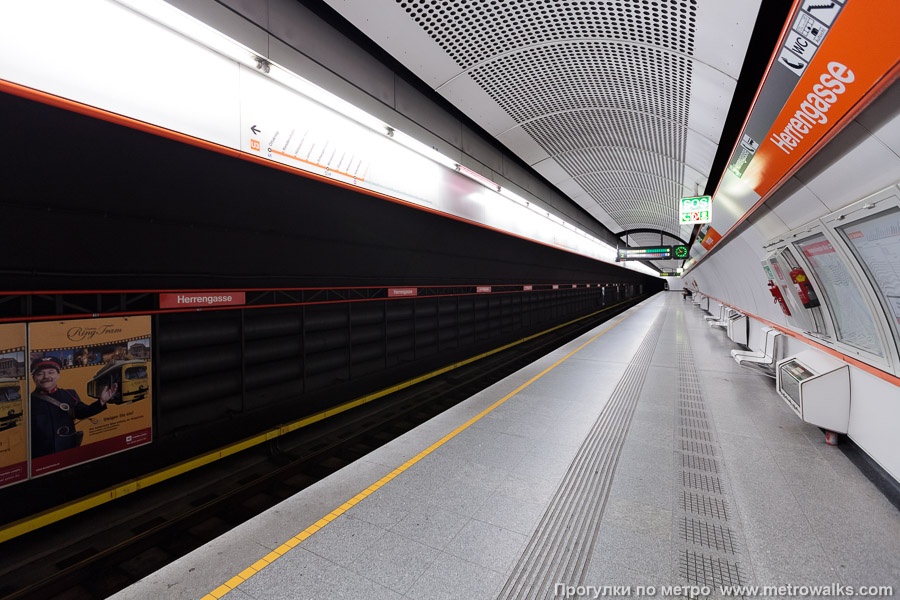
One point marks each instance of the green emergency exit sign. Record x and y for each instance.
(695, 210)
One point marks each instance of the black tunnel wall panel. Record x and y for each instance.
(130, 209)
(107, 207)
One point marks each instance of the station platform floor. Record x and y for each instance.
(639, 454)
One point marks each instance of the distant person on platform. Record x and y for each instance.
(686, 293)
(54, 410)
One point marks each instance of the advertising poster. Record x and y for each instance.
(13, 408)
(89, 391)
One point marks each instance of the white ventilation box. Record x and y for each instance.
(817, 387)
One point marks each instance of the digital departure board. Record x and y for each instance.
(669, 274)
(644, 253)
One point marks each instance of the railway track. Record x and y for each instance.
(96, 554)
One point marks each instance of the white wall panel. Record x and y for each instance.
(869, 167)
(800, 207)
(711, 93)
(722, 36)
(552, 171)
(766, 225)
(874, 417)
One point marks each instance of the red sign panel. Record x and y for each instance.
(819, 248)
(400, 292)
(201, 299)
(483, 289)
(555, 286)
(527, 288)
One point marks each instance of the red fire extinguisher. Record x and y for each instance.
(804, 288)
(776, 293)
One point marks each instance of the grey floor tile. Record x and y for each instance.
(378, 510)
(639, 517)
(524, 487)
(787, 545)
(554, 449)
(301, 575)
(607, 577)
(646, 487)
(478, 475)
(487, 545)
(545, 467)
(510, 513)
(342, 540)
(394, 561)
(430, 525)
(452, 578)
(459, 497)
(646, 554)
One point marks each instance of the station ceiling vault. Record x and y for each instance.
(619, 103)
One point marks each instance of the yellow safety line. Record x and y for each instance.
(63, 511)
(272, 556)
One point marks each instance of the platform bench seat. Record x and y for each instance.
(720, 320)
(767, 357)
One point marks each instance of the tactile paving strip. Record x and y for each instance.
(560, 548)
(706, 532)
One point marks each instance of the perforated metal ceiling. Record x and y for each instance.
(603, 90)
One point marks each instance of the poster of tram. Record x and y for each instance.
(90, 390)
(13, 409)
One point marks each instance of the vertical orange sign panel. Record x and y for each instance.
(711, 238)
(861, 49)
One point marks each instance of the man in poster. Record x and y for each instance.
(54, 410)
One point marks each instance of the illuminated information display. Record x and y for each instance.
(644, 253)
(669, 274)
(695, 210)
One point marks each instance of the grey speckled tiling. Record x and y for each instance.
(561, 547)
(707, 537)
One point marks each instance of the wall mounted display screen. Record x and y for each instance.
(875, 241)
(845, 302)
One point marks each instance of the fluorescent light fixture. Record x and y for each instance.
(324, 97)
(418, 147)
(200, 32)
(474, 176)
(188, 26)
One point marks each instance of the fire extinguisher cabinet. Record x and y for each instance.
(816, 387)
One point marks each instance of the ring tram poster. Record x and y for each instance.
(89, 390)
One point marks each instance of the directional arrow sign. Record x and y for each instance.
(254, 129)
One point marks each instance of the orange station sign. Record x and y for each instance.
(862, 48)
